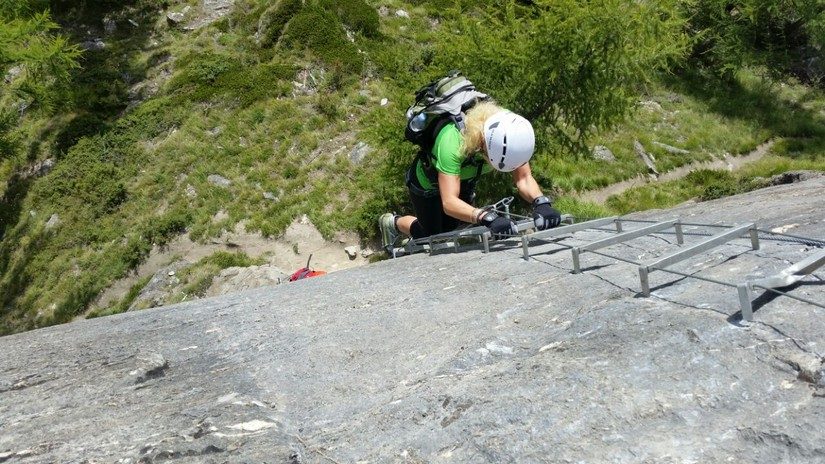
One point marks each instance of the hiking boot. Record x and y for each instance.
(389, 233)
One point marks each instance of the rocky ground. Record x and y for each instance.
(283, 256)
(456, 357)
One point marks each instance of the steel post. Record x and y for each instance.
(745, 297)
(643, 277)
(525, 247)
(754, 238)
(576, 266)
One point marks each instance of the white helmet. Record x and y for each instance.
(510, 140)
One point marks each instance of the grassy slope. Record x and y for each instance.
(125, 176)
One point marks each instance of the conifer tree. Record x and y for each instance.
(40, 57)
(573, 66)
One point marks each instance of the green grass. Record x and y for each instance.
(123, 304)
(703, 185)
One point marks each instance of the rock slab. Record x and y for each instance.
(455, 357)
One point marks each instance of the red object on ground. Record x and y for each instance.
(305, 272)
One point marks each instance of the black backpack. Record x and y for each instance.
(437, 104)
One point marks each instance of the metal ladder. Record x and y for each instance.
(527, 234)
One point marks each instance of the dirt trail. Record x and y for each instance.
(727, 162)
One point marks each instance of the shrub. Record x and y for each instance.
(212, 75)
(85, 181)
(714, 183)
(161, 229)
(224, 259)
(356, 14)
(321, 32)
(328, 106)
(274, 19)
(83, 125)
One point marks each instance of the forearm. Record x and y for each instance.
(526, 184)
(461, 210)
(453, 206)
(528, 189)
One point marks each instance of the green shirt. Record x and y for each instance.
(447, 158)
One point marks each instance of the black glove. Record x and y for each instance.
(500, 226)
(544, 215)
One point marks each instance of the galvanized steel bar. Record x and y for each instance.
(623, 237)
(564, 230)
(681, 255)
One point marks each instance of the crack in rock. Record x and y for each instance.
(28, 381)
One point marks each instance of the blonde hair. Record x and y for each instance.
(473, 135)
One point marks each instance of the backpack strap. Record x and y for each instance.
(426, 156)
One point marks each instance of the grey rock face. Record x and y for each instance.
(218, 180)
(793, 176)
(351, 251)
(360, 152)
(109, 26)
(651, 105)
(93, 45)
(603, 153)
(235, 279)
(175, 18)
(646, 158)
(209, 12)
(159, 287)
(150, 366)
(54, 221)
(671, 149)
(13, 73)
(465, 357)
(39, 169)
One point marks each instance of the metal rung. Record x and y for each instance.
(682, 255)
(432, 243)
(564, 230)
(477, 231)
(784, 278)
(624, 237)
